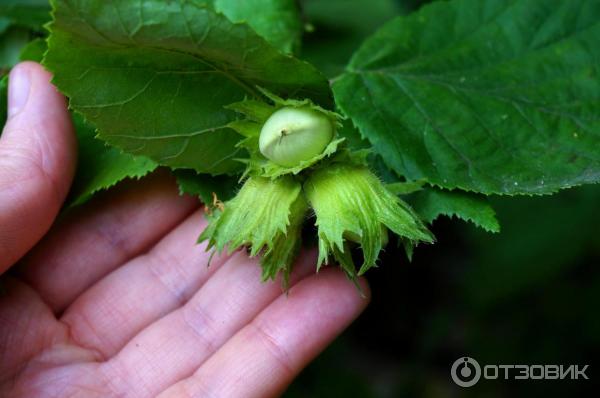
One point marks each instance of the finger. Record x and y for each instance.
(37, 160)
(103, 234)
(177, 344)
(28, 326)
(263, 358)
(119, 306)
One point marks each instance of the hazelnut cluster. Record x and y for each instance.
(297, 163)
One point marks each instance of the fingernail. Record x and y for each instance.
(18, 90)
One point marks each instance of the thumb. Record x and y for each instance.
(37, 160)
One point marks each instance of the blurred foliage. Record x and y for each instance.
(11, 43)
(528, 295)
(30, 14)
(335, 28)
(20, 22)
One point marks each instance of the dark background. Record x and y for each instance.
(529, 295)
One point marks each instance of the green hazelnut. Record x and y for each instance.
(270, 227)
(352, 204)
(292, 135)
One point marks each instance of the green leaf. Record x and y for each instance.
(278, 21)
(432, 203)
(101, 166)
(487, 96)
(205, 185)
(34, 50)
(154, 77)
(352, 136)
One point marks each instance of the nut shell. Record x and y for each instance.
(292, 135)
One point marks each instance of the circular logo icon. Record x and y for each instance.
(465, 372)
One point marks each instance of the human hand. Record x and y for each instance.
(115, 299)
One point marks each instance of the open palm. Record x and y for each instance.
(117, 300)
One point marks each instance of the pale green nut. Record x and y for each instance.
(292, 135)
